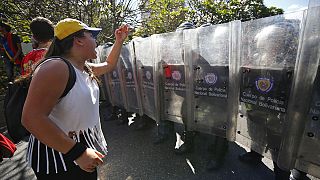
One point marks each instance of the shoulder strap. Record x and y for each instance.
(72, 74)
(71, 80)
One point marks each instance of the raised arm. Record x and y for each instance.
(111, 62)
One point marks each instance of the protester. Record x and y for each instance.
(43, 32)
(67, 141)
(13, 51)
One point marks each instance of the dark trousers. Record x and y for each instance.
(280, 174)
(10, 69)
(165, 127)
(74, 172)
(218, 148)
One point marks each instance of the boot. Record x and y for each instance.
(164, 128)
(251, 157)
(141, 123)
(280, 174)
(105, 111)
(217, 150)
(114, 114)
(298, 175)
(123, 117)
(187, 146)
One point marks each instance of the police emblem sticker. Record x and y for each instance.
(211, 78)
(264, 85)
(148, 75)
(129, 75)
(114, 73)
(176, 75)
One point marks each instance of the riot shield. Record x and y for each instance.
(207, 56)
(171, 69)
(301, 145)
(131, 88)
(116, 81)
(147, 76)
(234, 85)
(102, 54)
(265, 72)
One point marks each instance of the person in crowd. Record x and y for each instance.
(13, 51)
(66, 139)
(42, 34)
(34, 43)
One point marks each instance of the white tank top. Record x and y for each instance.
(76, 113)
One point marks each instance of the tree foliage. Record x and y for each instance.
(159, 16)
(150, 17)
(108, 14)
(217, 12)
(166, 15)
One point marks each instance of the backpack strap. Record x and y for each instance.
(71, 80)
(72, 74)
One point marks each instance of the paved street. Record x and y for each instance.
(132, 156)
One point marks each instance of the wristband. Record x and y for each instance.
(75, 152)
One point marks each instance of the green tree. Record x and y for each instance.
(107, 14)
(217, 12)
(159, 16)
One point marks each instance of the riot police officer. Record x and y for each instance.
(165, 126)
(276, 47)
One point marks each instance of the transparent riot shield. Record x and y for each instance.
(207, 56)
(265, 71)
(131, 88)
(116, 81)
(171, 69)
(147, 76)
(301, 145)
(234, 85)
(102, 54)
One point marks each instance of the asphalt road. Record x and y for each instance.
(132, 156)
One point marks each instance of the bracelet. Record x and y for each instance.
(75, 152)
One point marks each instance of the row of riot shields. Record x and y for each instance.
(121, 85)
(255, 83)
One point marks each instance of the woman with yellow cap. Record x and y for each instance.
(66, 140)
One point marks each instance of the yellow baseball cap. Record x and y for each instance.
(68, 26)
